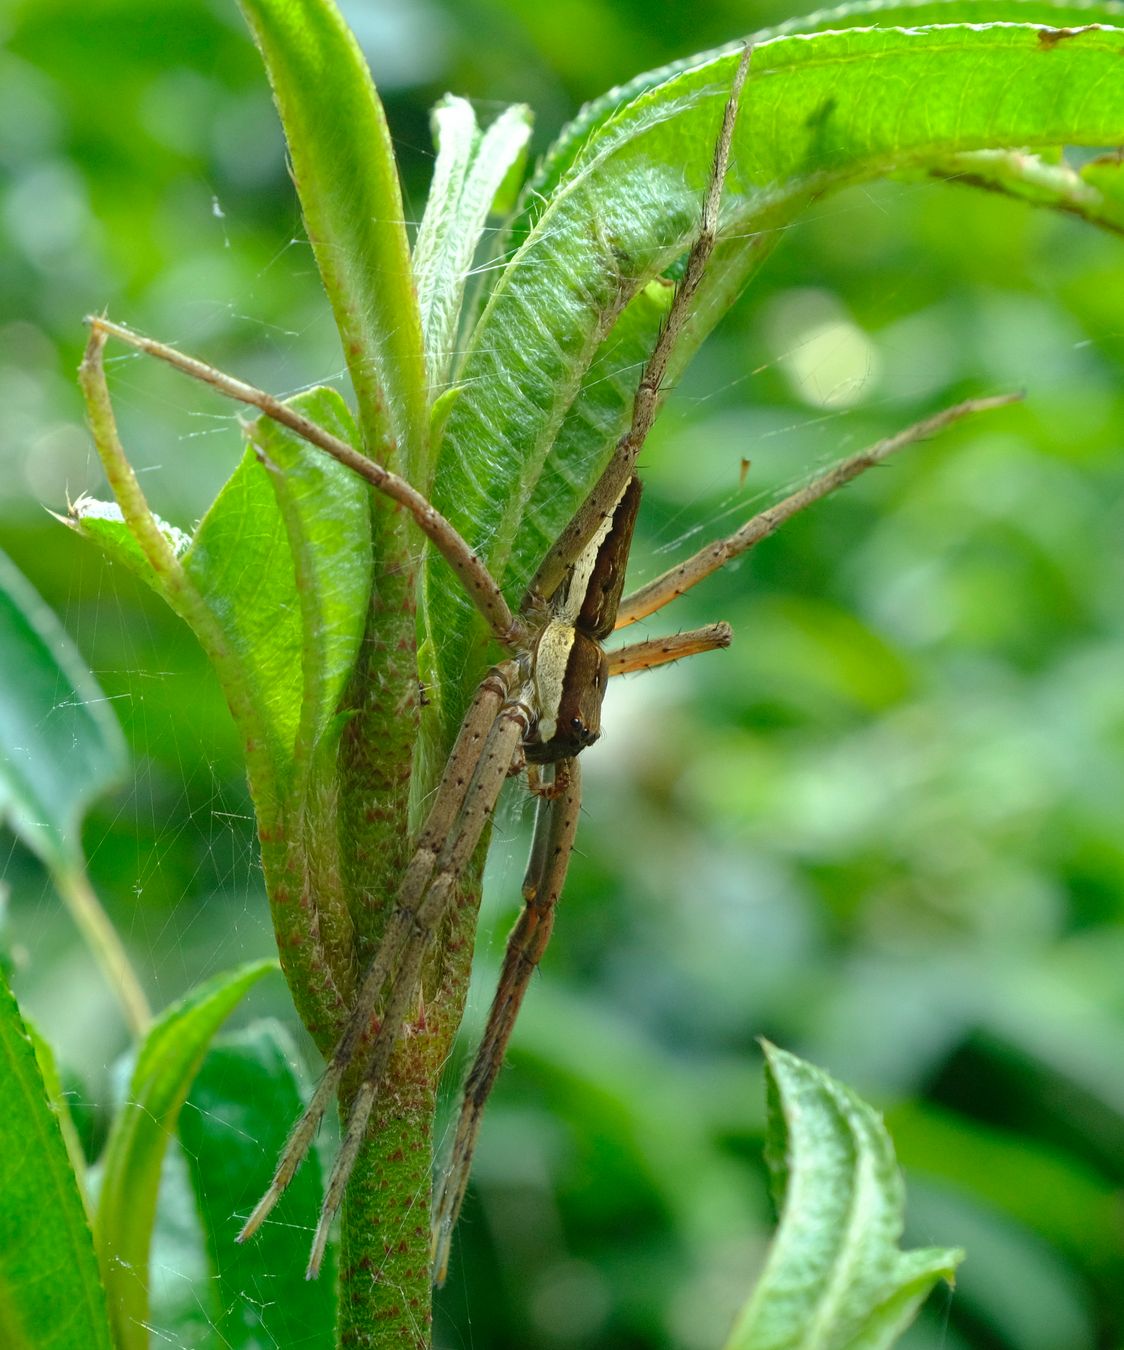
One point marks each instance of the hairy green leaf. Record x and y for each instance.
(282, 564)
(50, 1294)
(864, 13)
(470, 172)
(343, 164)
(282, 558)
(275, 585)
(169, 1057)
(834, 1278)
(103, 524)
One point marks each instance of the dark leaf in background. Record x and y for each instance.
(232, 1128)
(50, 1294)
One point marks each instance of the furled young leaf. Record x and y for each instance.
(168, 1060)
(817, 112)
(282, 563)
(282, 559)
(60, 745)
(275, 585)
(469, 173)
(233, 1126)
(834, 1278)
(50, 1294)
(343, 164)
(103, 524)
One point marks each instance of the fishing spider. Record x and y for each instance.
(537, 709)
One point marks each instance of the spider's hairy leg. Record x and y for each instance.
(507, 733)
(607, 491)
(711, 557)
(556, 824)
(448, 800)
(545, 781)
(477, 581)
(674, 647)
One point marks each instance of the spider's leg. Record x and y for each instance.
(449, 797)
(556, 824)
(674, 647)
(508, 731)
(545, 785)
(606, 493)
(461, 557)
(710, 558)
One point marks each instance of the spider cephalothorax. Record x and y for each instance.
(570, 670)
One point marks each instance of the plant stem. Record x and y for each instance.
(85, 908)
(385, 1260)
(385, 1297)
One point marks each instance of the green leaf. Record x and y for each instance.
(282, 560)
(59, 1104)
(60, 745)
(241, 566)
(470, 171)
(50, 1295)
(883, 13)
(168, 1060)
(277, 598)
(1092, 193)
(232, 1127)
(281, 566)
(326, 510)
(818, 112)
(834, 1278)
(343, 164)
(103, 523)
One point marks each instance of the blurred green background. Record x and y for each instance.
(884, 829)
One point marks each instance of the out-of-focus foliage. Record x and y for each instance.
(167, 1061)
(883, 829)
(49, 1288)
(61, 746)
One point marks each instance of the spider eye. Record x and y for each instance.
(577, 724)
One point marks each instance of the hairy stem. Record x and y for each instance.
(385, 1300)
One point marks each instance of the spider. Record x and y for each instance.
(537, 709)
